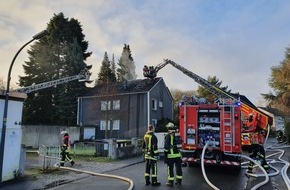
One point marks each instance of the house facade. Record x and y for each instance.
(124, 110)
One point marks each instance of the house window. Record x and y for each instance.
(116, 125)
(103, 125)
(160, 104)
(154, 104)
(105, 105)
(154, 122)
(116, 104)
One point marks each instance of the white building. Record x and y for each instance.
(14, 154)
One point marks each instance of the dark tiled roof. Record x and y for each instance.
(245, 100)
(134, 86)
(274, 111)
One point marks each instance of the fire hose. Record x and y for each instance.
(102, 175)
(216, 188)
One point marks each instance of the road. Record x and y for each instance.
(222, 178)
(193, 179)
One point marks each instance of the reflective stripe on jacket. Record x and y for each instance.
(170, 146)
(150, 148)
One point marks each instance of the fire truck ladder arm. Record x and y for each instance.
(82, 76)
(210, 87)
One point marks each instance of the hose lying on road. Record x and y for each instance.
(283, 171)
(286, 164)
(202, 168)
(263, 170)
(216, 188)
(102, 175)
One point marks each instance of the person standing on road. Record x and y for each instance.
(172, 156)
(257, 152)
(150, 150)
(64, 149)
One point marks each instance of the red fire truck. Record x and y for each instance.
(219, 125)
(223, 125)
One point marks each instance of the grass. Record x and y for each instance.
(32, 154)
(79, 156)
(89, 158)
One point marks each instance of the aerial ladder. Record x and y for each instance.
(83, 76)
(246, 109)
(151, 72)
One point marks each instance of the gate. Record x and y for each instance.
(49, 156)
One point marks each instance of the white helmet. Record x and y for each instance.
(169, 125)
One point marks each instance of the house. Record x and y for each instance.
(277, 115)
(124, 109)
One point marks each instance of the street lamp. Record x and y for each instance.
(35, 37)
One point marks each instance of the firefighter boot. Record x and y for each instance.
(169, 183)
(249, 171)
(266, 167)
(72, 163)
(155, 182)
(147, 180)
(178, 182)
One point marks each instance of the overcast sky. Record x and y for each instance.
(236, 41)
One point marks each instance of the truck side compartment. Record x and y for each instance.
(218, 125)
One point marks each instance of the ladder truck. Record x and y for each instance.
(219, 124)
(83, 76)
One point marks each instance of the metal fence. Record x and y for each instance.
(49, 156)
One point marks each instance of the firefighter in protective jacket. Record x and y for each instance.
(64, 149)
(257, 152)
(172, 156)
(150, 149)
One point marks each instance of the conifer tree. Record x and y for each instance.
(126, 70)
(60, 54)
(113, 66)
(204, 93)
(106, 75)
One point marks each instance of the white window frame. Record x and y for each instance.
(154, 104)
(116, 104)
(154, 122)
(103, 124)
(160, 104)
(116, 124)
(106, 105)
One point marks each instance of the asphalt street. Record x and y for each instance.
(224, 179)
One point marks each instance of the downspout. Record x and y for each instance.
(80, 111)
(148, 108)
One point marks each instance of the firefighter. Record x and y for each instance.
(151, 154)
(280, 136)
(257, 152)
(172, 156)
(64, 149)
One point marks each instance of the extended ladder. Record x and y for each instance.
(228, 127)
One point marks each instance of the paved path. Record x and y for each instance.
(54, 179)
